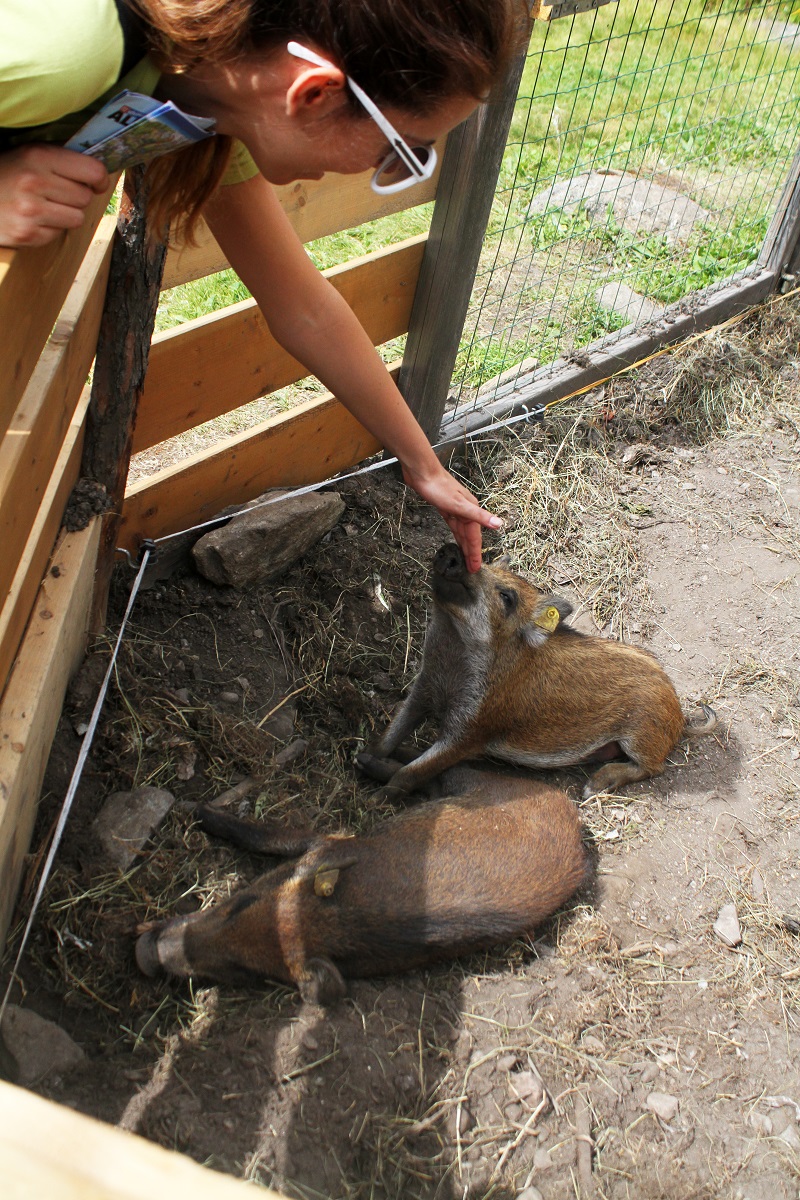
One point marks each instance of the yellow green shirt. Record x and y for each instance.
(60, 60)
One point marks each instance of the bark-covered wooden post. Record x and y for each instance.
(464, 196)
(123, 348)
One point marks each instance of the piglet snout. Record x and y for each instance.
(449, 562)
(162, 950)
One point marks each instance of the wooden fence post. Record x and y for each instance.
(471, 165)
(781, 249)
(123, 348)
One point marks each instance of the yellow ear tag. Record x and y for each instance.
(325, 881)
(549, 619)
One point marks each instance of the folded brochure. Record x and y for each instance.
(131, 128)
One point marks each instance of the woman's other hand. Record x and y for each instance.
(44, 190)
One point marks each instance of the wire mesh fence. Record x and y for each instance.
(649, 145)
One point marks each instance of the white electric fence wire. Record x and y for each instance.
(73, 784)
(526, 415)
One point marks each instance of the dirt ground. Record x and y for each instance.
(627, 1039)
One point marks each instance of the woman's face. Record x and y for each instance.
(342, 140)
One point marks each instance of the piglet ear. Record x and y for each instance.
(321, 982)
(503, 561)
(545, 619)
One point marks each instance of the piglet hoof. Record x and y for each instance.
(321, 983)
(147, 958)
(375, 767)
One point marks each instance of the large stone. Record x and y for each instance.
(39, 1047)
(638, 205)
(126, 821)
(632, 307)
(263, 543)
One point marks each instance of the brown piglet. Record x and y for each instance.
(505, 678)
(478, 868)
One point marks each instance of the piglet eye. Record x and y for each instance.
(510, 600)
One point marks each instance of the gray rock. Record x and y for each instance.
(726, 926)
(263, 543)
(126, 821)
(638, 205)
(762, 1124)
(632, 307)
(39, 1047)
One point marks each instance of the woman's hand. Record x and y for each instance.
(44, 190)
(459, 509)
(315, 324)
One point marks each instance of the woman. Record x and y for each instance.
(297, 88)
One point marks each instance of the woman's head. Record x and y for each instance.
(408, 54)
(429, 61)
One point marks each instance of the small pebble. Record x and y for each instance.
(507, 1062)
(761, 1123)
(229, 697)
(726, 926)
(541, 1159)
(663, 1105)
(527, 1086)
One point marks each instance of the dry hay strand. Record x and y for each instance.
(767, 963)
(562, 483)
(558, 485)
(719, 382)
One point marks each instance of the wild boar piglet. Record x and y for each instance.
(504, 677)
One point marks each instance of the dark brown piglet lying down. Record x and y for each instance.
(444, 878)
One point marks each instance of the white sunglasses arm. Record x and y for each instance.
(398, 144)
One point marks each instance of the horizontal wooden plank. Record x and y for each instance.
(33, 286)
(217, 363)
(315, 207)
(31, 447)
(31, 705)
(48, 1150)
(307, 444)
(18, 601)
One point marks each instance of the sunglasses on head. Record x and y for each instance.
(404, 165)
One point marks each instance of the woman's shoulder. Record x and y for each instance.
(56, 56)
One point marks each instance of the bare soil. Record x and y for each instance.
(543, 1065)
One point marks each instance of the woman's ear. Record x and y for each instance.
(313, 87)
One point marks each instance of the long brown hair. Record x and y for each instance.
(408, 54)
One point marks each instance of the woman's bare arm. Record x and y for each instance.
(311, 320)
